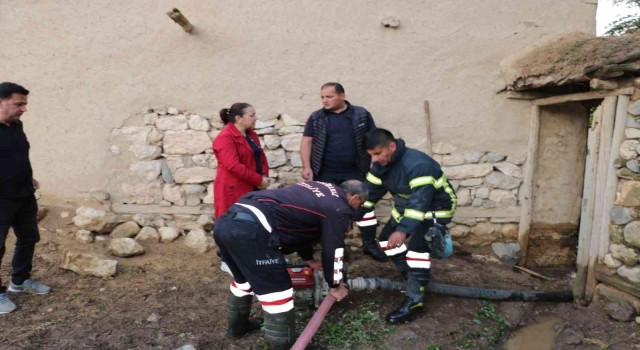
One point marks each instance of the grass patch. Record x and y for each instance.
(490, 327)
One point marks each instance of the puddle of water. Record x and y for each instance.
(538, 336)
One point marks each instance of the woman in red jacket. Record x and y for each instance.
(242, 164)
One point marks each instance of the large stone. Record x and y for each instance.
(291, 142)
(147, 170)
(510, 231)
(89, 265)
(99, 195)
(630, 194)
(155, 137)
(459, 231)
(295, 159)
(287, 120)
(632, 274)
(208, 197)
(261, 124)
(198, 123)
(452, 159)
(464, 197)
(205, 160)
(272, 141)
(266, 131)
(461, 172)
(174, 194)
(442, 148)
(125, 247)
(632, 234)
(627, 255)
(148, 235)
(517, 159)
(137, 135)
(611, 262)
(289, 177)
(493, 157)
(632, 122)
(194, 175)
(473, 157)
(507, 252)
(509, 169)
(609, 293)
(176, 123)
(96, 220)
(482, 193)
(628, 174)
(205, 221)
(168, 234)
(276, 158)
(503, 198)
(620, 311)
(125, 230)
(628, 149)
(141, 193)
(483, 234)
(616, 233)
(632, 133)
(502, 181)
(288, 130)
(633, 165)
(199, 241)
(145, 152)
(186, 142)
(471, 182)
(622, 215)
(84, 236)
(634, 109)
(150, 118)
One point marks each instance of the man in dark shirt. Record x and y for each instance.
(332, 150)
(18, 207)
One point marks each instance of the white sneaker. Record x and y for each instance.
(29, 286)
(6, 305)
(224, 267)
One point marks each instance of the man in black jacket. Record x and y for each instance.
(332, 150)
(264, 225)
(18, 207)
(421, 195)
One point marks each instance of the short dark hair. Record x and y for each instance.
(356, 187)
(378, 137)
(7, 89)
(337, 86)
(228, 115)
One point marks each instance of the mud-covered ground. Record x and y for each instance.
(171, 297)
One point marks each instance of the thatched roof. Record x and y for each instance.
(573, 59)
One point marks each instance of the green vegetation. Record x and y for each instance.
(625, 24)
(491, 325)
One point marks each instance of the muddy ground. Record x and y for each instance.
(171, 297)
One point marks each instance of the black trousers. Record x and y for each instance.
(20, 214)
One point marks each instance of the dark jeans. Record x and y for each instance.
(21, 214)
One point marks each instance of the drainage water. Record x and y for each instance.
(538, 336)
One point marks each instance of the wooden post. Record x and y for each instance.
(608, 116)
(427, 122)
(526, 192)
(588, 205)
(179, 18)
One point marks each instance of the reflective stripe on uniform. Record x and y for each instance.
(392, 251)
(259, 215)
(374, 179)
(417, 260)
(396, 215)
(428, 180)
(337, 266)
(240, 289)
(414, 214)
(278, 302)
(369, 204)
(369, 219)
(440, 214)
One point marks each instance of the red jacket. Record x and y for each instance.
(236, 173)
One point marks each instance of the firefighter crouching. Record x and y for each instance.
(421, 192)
(261, 227)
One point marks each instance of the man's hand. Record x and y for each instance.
(265, 183)
(339, 292)
(36, 184)
(316, 265)
(396, 239)
(307, 173)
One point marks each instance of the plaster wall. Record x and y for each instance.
(91, 65)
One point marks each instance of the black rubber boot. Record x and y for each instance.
(414, 301)
(401, 264)
(238, 310)
(279, 329)
(369, 245)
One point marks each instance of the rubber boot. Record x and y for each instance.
(279, 329)
(401, 264)
(412, 305)
(238, 310)
(369, 245)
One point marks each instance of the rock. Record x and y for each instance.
(627, 255)
(492, 157)
(166, 172)
(295, 159)
(115, 150)
(205, 160)
(473, 157)
(619, 162)
(42, 212)
(198, 123)
(608, 293)
(390, 22)
(510, 231)
(89, 265)
(135, 134)
(208, 197)
(148, 170)
(168, 234)
(173, 111)
(289, 177)
(155, 137)
(291, 142)
(503, 197)
(177, 123)
(622, 215)
(634, 109)
(84, 236)
(632, 133)
(287, 120)
(148, 235)
(483, 234)
(573, 337)
(194, 175)
(125, 247)
(630, 273)
(471, 182)
(628, 149)
(459, 231)
(95, 220)
(517, 160)
(272, 141)
(186, 142)
(186, 347)
(464, 197)
(509, 169)
(276, 158)
(620, 311)
(462, 172)
(154, 318)
(633, 165)
(125, 230)
(630, 194)
(442, 148)
(477, 202)
(452, 159)
(507, 252)
(502, 181)
(266, 131)
(174, 194)
(199, 241)
(632, 234)
(632, 122)
(141, 193)
(205, 221)
(616, 233)
(611, 262)
(288, 130)
(628, 174)
(145, 152)
(599, 84)
(150, 118)
(482, 193)
(99, 195)
(64, 214)
(261, 124)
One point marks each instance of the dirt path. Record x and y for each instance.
(171, 297)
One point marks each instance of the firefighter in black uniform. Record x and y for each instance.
(261, 227)
(421, 192)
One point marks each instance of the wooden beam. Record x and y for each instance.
(600, 275)
(582, 96)
(588, 205)
(525, 95)
(526, 192)
(427, 123)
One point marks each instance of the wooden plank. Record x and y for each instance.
(427, 122)
(524, 95)
(526, 192)
(615, 281)
(582, 96)
(608, 116)
(531, 272)
(588, 205)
